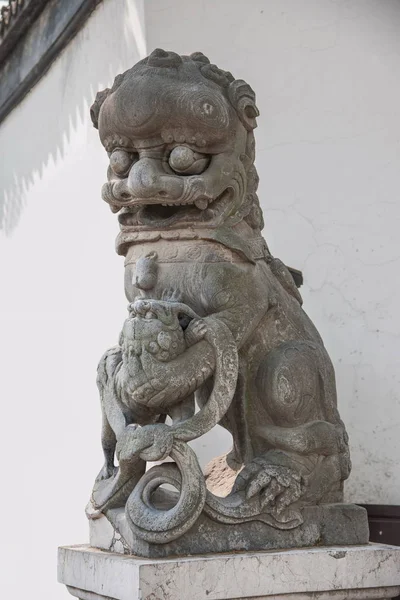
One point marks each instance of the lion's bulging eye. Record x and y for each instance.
(185, 161)
(121, 161)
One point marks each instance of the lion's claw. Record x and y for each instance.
(277, 485)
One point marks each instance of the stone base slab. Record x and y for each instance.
(324, 525)
(367, 572)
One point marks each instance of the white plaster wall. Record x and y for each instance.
(61, 302)
(326, 76)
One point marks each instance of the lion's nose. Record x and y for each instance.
(147, 179)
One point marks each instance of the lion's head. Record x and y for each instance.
(179, 134)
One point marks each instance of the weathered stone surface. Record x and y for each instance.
(213, 319)
(325, 525)
(368, 572)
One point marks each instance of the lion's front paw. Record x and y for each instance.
(278, 486)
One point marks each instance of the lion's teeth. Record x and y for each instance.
(201, 203)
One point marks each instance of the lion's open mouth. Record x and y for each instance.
(159, 215)
(158, 212)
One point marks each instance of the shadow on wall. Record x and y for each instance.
(38, 132)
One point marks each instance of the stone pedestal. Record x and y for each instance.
(365, 572)
(325, 525)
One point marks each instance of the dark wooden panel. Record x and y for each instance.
(385, 531)
(32, 55)
(16, 18)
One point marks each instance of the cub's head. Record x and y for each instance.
(157, 327)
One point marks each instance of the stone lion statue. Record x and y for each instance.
(213, 316)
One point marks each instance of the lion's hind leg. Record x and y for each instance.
(298, 383)
(304, 437)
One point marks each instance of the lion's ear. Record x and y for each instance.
(243, 99)
(95, 108)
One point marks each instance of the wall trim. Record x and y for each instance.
(28, 49)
